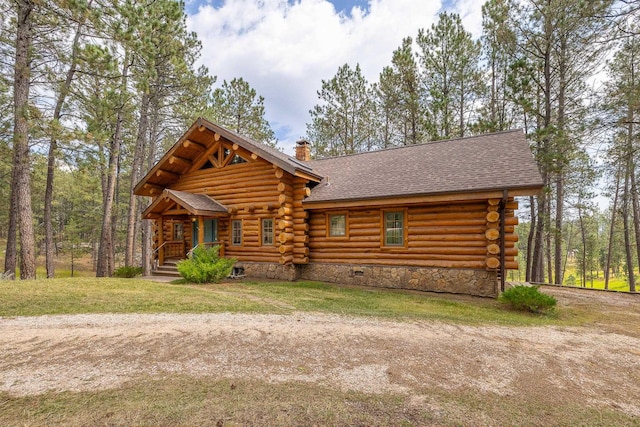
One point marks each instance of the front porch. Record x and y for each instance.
(182, 222)
(170, 252)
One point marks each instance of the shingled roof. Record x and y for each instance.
(196, 140)
(195, 204)
(496, 161)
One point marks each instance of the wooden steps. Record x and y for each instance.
(169, 269)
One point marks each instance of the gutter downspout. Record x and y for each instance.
(503, 270)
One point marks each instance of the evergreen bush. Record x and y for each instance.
(127, 272)
(205, 266)
(528, 298)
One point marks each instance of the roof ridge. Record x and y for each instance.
(398, 147)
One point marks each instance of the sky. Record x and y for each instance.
(284, 49)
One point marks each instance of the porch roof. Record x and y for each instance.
(194, 204)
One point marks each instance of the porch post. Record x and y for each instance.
(200, 230)
(160, 241)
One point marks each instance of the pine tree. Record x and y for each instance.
(237, 106)
(399, 99)
(21, 212)
(451, 75)
(344, 122)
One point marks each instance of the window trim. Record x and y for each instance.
(174, 228)
(383, 228)
(262, 231)
(233, 223)
(346, 224)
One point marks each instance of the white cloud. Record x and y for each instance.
(284, 49)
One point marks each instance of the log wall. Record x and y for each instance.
(250, 191)
(450, 236)
(254, 191)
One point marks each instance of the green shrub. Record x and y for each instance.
(205, 266)
(127, 272)
(528, 298)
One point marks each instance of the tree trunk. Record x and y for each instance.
(147, 236)
(557, 256)
(583, 236)
(11, 256)
(636, 210)
(136, 167)
(105, 264)
(625, 218)
(531, 240)
(548, 246)
(51, 158)
(607, 267)
(21, 162)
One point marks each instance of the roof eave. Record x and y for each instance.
(139, 186)
(489, 193)
(306, 172)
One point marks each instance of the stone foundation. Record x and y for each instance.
(267, 270)
(458, 281)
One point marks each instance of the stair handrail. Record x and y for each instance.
(191, 250)
(155, 261)
(158, 248)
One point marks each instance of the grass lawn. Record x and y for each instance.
(185, 401)
(181, 401)
(111, 295)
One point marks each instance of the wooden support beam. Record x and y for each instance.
(179, 161)
(284, 224)
(167, 174)
(284, 199)
(493, 217)
(285, 249)
(492, 234)
(285, 210)
(286, 237)
(193, 145)
(286, 259)
(207, 155)
(493, 262)
(153, 187)
(200, 230)
(176, 212)
(493, 248)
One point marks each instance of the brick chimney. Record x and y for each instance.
(303, 150)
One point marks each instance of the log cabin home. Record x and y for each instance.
(437, 216)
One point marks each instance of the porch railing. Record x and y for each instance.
(208, 245)
(174, 249)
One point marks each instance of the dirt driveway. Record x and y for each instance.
(597, 366)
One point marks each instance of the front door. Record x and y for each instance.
(210, 232)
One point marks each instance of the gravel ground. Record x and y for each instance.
(100, 351)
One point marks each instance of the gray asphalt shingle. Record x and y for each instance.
(486, 162)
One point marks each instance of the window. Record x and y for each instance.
(210, 231)
(267, 231)
(393, 228)
(337, 225)
(178, 231)
(236, 232)
(237, 160)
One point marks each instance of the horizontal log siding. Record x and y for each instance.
(438, 236)
(249, 188)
